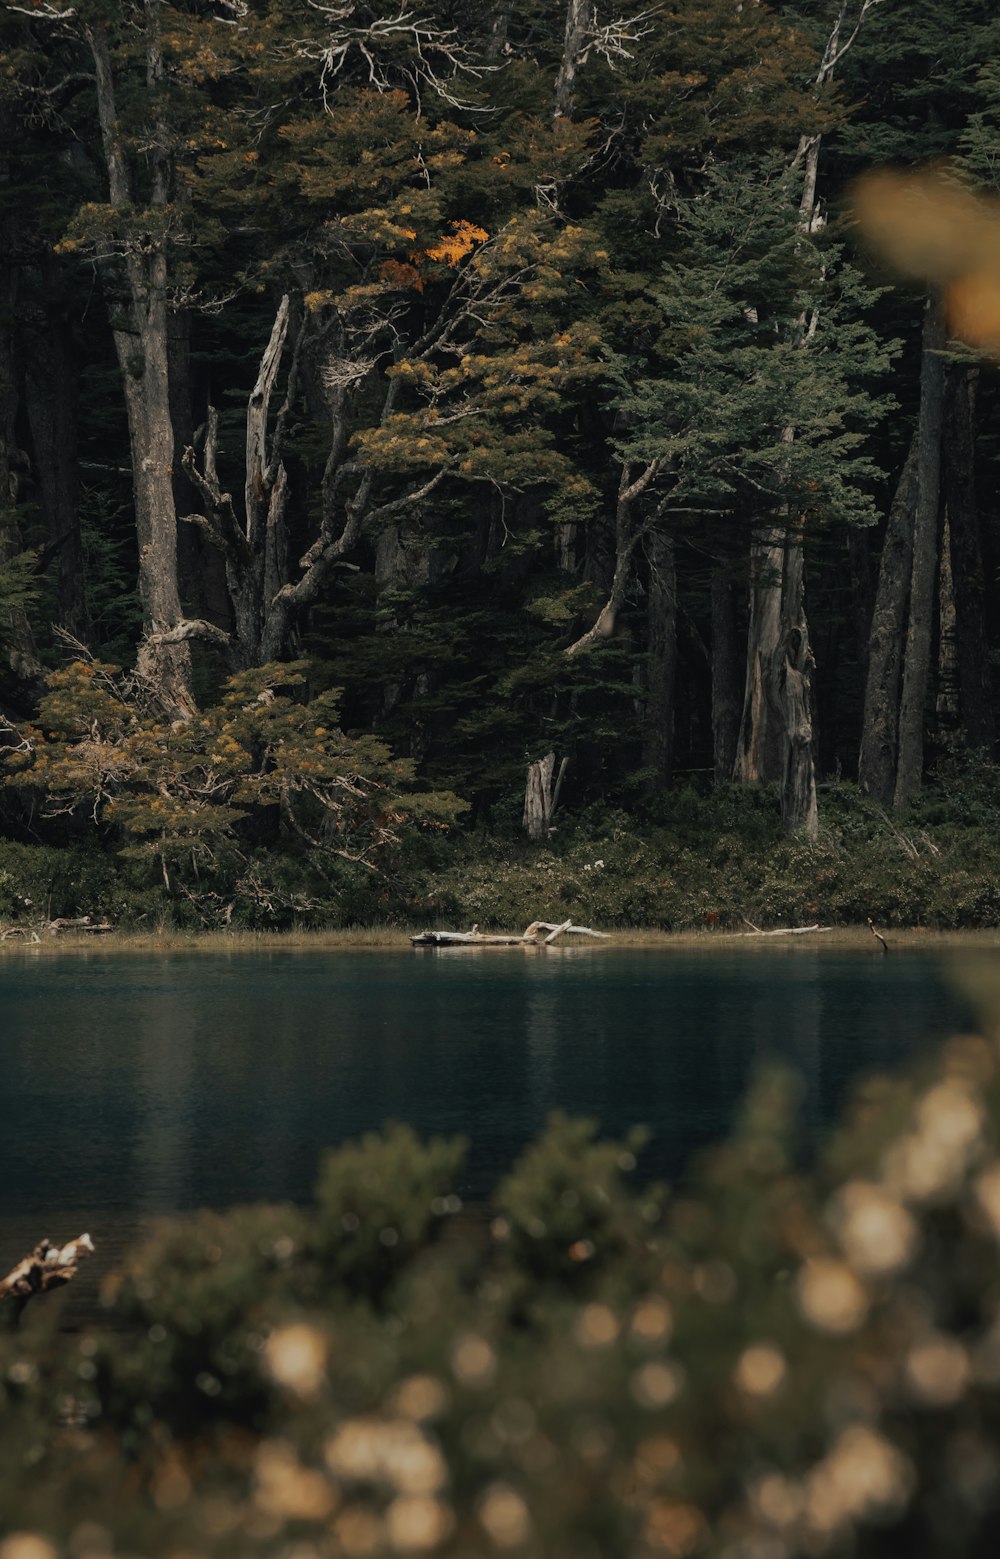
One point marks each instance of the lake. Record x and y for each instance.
(132, 1086)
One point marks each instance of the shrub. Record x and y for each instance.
(771, 1360)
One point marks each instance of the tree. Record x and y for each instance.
(709, 417)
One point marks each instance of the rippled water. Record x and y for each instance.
(136, 1086)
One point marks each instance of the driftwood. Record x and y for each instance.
(877, 935)
(530, 937)
(783, 930)
(48, 1266)
(88, 924)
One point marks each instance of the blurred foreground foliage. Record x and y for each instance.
(770, 1362)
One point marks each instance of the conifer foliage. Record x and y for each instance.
(519, 370)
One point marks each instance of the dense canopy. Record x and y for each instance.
(500, 381)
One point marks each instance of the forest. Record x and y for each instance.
(472, 459)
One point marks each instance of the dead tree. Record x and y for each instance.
(541, 795)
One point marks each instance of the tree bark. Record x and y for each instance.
(139, 311)
(578, 17)
(628, 534)
(947, 699)
(792, 680)
(541, 795)
(978, 724)
(916, 670)
(661, 656)
(880, 720)
(496, 43)
(760, 752)
(726, 690)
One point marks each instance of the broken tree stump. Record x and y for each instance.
(541, 795)
(48, 1266)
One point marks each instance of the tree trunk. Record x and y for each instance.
(885, 647)
(628, 534)
(760, 750)
(496, 44)
(978, 725)
(164, 667)
(880, 721)
(541, 795)
(909, 772)
(792, 680)
(775, 741)
(578, 16)
(947, 701)
(661, 657)
(726, 690)
(140, 328)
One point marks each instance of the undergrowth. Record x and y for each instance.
(689, 860)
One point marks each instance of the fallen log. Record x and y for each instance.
(463, 939)
(80, 923)
(784, 930)
(529, 937)
(48, 1266)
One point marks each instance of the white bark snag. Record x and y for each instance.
(139, 327)
(255, 550)
(541, 795)
(578, 19)
(267, 589)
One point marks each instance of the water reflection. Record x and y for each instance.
(134, 1087)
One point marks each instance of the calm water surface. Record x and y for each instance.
(131, 1087)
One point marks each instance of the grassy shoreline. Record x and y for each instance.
(388, 938)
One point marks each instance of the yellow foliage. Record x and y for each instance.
(453, 247)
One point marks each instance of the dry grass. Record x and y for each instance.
(173, 941)
(385, 938)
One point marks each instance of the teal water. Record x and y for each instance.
(131, 1087)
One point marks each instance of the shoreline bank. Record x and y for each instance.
(385, 939)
